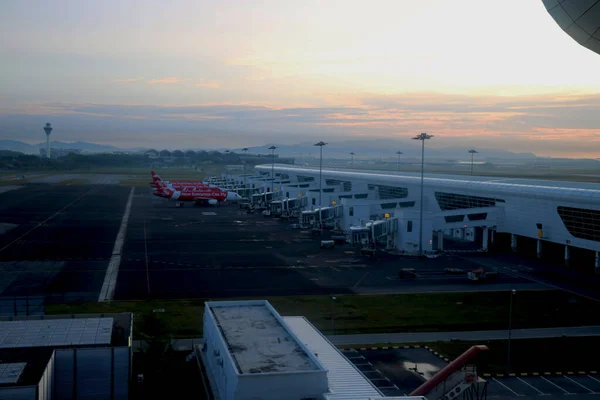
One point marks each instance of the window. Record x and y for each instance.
(406, 204)
(477, 217)
(389, 192)
(581, 222)
(454, 218)
(409, 226)
(361, 196)
(387, 206)
(287, 194)
(346, 185)
(314, 201)
(351, 211)
(302, 178)
(452, 201)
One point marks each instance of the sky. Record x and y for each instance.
(235, 73)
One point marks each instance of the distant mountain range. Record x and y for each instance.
(384, 148)
(27, 148)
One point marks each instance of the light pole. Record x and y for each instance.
(333, 299)
(473, 152)
(422, 137)
(512, 294)
(399, 154)
(245, 150)
(352, 158)
(320, 144)
(272, 148)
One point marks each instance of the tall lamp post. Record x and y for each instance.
(510, 308)
(333, 299)
(422, 137)
(320, 144)
(473, 152)
(399, 154)
(245, 150)
(272, 148)
(352, 158)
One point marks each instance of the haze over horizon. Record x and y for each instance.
(191, 74)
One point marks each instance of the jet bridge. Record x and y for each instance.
(321, 217)
(379, 233)
(287, 207)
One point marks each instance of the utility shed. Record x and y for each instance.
(66, 357)
(250, 352)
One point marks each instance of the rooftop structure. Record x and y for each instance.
(10, 372)
(346, 382)
(57, 332)
(579, 19)
(258, 341)
(250, 352)
(47, 354)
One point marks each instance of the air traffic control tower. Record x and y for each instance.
(579, 18)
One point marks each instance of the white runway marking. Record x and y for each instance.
(110, 279)
(209, 213)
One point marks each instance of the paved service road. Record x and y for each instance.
(421, 337)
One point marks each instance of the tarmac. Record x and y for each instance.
(58, 241)
(212, 252)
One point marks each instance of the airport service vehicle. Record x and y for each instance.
(407, 273)
(199, 195)
(480, 275)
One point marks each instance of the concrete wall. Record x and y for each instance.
(224, 377)
(46, 384)
(294, 386)
(18, 393)
(92, 373)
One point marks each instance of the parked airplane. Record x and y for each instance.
(176, 185)
(201, 195)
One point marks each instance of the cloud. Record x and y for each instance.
(207, 84)
(166, 80)
(128, 80)
(543, 124)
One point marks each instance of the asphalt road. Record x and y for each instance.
(425, 337)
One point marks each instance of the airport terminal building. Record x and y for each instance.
(541, 218)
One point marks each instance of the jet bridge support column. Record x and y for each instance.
(539, 248)
(513, 242)
(440, 235)
(567, 254)
(597, 263)
(484, 243)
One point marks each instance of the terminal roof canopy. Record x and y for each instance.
(579, 18)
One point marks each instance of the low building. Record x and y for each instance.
(66, 357)
(251, 352)
(57, 153)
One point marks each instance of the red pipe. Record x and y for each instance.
(448, 370)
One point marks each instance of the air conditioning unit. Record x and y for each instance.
(219, 361)
(216, 352)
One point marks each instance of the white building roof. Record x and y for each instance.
(346, 382)
(258, 341)
(554, 190)
(55, 332)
